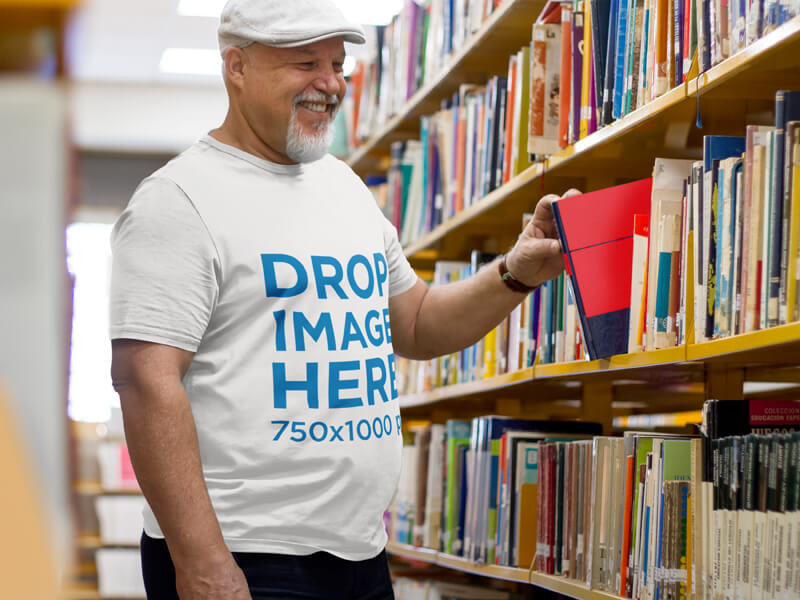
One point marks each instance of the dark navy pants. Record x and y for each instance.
(318, 576)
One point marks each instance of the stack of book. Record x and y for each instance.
(474, 144)
(594, 61)
(704, 250)
(509, 347)
(645, 515)
(409, 53)
(475, 487)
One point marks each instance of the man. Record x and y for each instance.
(254, 283)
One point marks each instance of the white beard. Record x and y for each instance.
(303, 148)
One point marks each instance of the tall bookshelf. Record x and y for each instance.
(738, 91)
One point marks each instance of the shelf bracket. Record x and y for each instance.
(596, 403)
(724, 383)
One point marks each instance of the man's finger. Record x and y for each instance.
(571, 192)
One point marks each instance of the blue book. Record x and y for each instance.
(600, 26)
(489, 446)
(722, 281)
(787, 108)
(620, 50)
(536, 303)
(715, 148)
(606, 114)
(424, 124)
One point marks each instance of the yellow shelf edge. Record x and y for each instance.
(717, 74)
(496, 571)
(489, 201)
(653, 358)
(570, 587)
(429, 89)
(755, 340)
(94, 487)
(468, 388)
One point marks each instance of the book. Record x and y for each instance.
(597, 239)
(715, 148)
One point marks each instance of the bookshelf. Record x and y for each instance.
(486, 50)
(567, 587)
(736, 92)
(663, 126)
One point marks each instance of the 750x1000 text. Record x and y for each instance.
(349, 431)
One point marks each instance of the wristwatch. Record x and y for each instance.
(511, 282)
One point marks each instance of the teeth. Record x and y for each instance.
(316, 107)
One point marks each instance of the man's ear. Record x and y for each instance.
(234, 65)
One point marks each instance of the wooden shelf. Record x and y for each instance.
(774, 346)
(663, 127)
(484, 53)
(95, 488)
(460, 390)
(620, 362)
(568, 587)
(92, 542)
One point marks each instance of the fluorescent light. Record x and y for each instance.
(365, 12)
(370, 12)
(191, 61)
(200, 8)
(349, 65)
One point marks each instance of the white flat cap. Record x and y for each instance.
(283, 23)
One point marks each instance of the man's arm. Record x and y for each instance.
(428, 322)
(162, 440)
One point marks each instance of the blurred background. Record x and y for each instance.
(94, 96)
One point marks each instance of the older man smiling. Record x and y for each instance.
(258, 298)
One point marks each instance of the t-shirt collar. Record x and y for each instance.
(267, 165)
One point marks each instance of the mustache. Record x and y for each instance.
(319, 97)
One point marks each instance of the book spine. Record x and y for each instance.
(565, 77)
(577, 73)
(619, 58)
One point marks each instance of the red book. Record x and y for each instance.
(597, 241)
(626, 526)
(687, 30)
(511, 87)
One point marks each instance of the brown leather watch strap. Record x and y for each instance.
(512, 283)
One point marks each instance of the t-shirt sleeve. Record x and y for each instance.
(401, 276)
(164, 274)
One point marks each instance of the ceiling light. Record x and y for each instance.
(349, 65)
(200, 8)
(369, 12)
(191, 61)
(365, 12)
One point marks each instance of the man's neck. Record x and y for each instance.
(247, 141)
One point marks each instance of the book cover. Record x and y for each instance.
(489, 448)
(577, 74)
(715, 148)
(793, 274)
(610, 69)
(787, 109)
(457, 437)
(620, 46)
(597, 239)
(600, 10)
(545, 80)
(565, 77)
(665, 215)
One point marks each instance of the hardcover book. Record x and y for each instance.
(597, 239)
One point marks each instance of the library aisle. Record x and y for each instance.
(630, 430)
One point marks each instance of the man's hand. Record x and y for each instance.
(536, 257)
(222, 581)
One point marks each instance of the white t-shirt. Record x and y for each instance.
(277, 278)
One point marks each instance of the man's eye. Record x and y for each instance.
(338, 66)
(307, 65)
